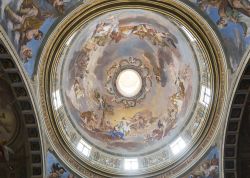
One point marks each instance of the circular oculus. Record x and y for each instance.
(129, 83)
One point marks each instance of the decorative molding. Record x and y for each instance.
(240, 95)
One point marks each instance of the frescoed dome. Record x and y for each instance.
(130, 81)
(131, 89)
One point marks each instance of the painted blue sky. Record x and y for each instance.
(211, 154)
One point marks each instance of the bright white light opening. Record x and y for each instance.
(131, 164)
(84, 148)
(205, 96)
(190, 36)
(56, 99)
(129, 83)
(177, 146)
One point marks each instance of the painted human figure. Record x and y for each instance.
(101, 103)
(78, 91)
(241, 5)
(160, 125)
(205, 169)
(234, 11)
(116, 133)
(180, 94)
(27, 22)
(56, 171)
(230, 10)
(90, 46)
(120, 32)
(236, 4)
(30, 34)
(28, 12)
(214, 166)
(102, 33)
(28, 15)
(227, 13)
(124, 127)
(86, 117)
(140, 30)
(58, 5)
(25, 53)
(28, 25)
(120, 130)
(23, 13)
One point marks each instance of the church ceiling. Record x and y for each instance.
(28, 24)
(129, 88)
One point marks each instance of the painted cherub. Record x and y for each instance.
(25, 53)
(30, 34)
(79, 93)
(228, 13)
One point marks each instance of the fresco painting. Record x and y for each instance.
(28, 21)
(129, 40)
(208, 167)
(232, 18)
(55, 169)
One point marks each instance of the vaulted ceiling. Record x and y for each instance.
(120, 88)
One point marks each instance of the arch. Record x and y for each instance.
(11, 72)
(237, 113)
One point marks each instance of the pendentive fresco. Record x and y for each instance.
(27, 22)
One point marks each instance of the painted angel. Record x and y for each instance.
(79, 93)
(28, 16)
(140, 30)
